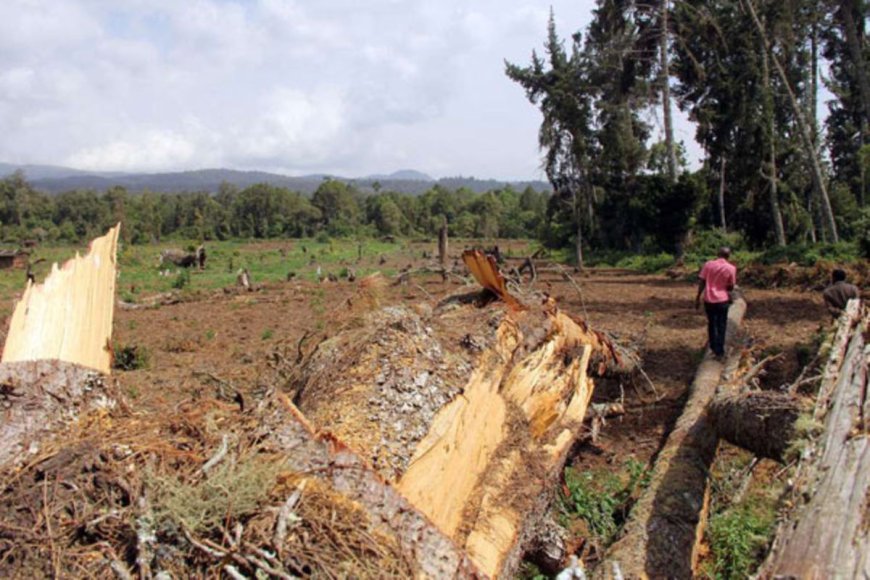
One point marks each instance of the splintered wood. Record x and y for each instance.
(69, 316)
(469, 411)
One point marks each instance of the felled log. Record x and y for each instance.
(69, 316)
(827, 535)
(762, 422)
(474, 438)
(662, 534)
(322, 457)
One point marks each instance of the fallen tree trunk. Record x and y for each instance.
(662, 533)
(762, 422)
(322, 457)
(469, 411)
(827, 535)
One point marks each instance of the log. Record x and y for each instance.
(762, 422)
(826, 535)
(69, 316)
(665, 525)
(322, 457)
(474, 438)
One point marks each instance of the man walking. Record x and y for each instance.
(717, 280)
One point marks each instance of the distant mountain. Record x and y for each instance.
(34, 172)
(53, 179)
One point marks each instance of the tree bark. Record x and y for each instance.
(806, 138)
(827, 535)
(319, 455)
(664, 527)
(759, 421)
(666, 93)
(722, 195)
(41, 397)
(770, 118)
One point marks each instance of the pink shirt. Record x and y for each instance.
(719, 275)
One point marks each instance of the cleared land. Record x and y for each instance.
(212, 344)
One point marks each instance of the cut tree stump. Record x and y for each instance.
(827, 535)
(40, 397)
(661, 536)
(469, 409)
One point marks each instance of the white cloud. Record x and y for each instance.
(338, 86)
(153, 151)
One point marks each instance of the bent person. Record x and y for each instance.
(717, 279)
(838, 294)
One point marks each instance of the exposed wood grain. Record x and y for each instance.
(69, 316)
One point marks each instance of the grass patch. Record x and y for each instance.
(738, 539)
(600, 500)
(130, 357)
(740, 529)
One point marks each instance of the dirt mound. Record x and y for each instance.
(815, 277)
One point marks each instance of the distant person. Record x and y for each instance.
(838, 294)
(717, 279)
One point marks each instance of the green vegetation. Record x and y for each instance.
(601, 499)
(335, 210)
(738, 539)
(743, 517)
(131, 357)
(770, 173)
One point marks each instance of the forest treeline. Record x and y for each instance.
(262, 210)
(749, 74)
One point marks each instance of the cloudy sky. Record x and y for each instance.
(347, 87)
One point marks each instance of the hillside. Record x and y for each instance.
(52, 179)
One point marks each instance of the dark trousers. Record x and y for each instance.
(717, 322)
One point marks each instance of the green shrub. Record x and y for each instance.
(130, 357)
(706, 243)
(602, 500)
(647, 263)
(810, 254)
(182, 279)
(738, 538)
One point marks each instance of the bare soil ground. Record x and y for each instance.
(225, 342)
(218, 349)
